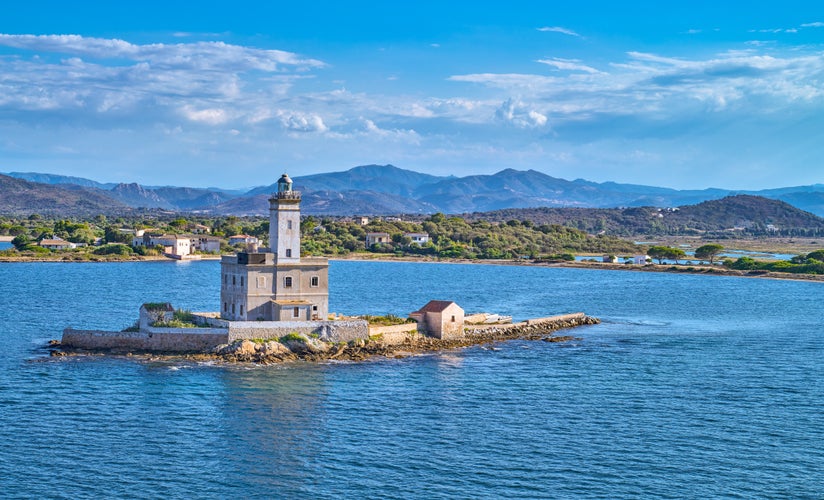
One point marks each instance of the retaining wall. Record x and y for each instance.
(169, 340)
(328, 331)
(394, 334)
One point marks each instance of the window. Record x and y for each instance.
(453, 319)
(287, 282)
(288, 224)
(233, 308)
(314, 308)
(233, 280)
(241, 310)
(225, 307)
(315, 281)
(225, 279)
(241, 284)
(261, 281)
(288, 252)
(296, 312)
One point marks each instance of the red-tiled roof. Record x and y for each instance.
(436, 306)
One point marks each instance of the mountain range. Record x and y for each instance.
(369, 190)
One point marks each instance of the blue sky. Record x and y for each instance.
(232, 94)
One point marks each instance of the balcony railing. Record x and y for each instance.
(287, 195)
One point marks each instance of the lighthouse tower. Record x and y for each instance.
(284, 222)
(276, 285)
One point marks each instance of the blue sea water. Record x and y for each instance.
(692, 387)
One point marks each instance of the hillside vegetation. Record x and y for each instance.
(741, 214)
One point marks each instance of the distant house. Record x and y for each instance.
(362, 220)
(243, 239)
(611, 259)
(208, 244)
(640, 259)
(419, 238)
(172, 244)
(441, 319)
(56, 243)
(199, 229)
(377, 239)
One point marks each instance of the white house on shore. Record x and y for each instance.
(419, 238)
(55, 243)
(377, 239)
(243, 239)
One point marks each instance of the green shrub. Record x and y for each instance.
(294, 336)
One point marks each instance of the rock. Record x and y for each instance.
(246, 347)
(274, 347)
(305, 345)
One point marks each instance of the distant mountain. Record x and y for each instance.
(330, 203)
(18, 196)
(754, 213)
(386, 189)
(386, 179)
(58, 179)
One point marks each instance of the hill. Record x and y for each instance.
(18, 196)
(386, 189)
(754, 214)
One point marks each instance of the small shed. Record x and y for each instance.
(640, 259)
(442, 319)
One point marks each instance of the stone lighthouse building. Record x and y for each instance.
(275, 284)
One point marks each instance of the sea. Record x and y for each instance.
(691, 387)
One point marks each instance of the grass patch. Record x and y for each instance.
(388, 320)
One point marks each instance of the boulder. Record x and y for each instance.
(274, 347)
(306, 345)
(246, 347)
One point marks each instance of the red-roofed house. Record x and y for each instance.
(441, 319)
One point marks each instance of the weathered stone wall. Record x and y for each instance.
(532, 326)
(389, 330)
(171, 340)
(328, 331)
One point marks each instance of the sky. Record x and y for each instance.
(232, 94)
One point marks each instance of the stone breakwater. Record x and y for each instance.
(300, 347)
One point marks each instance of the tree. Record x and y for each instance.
(21, 241)
(658, 252)
(817, 255)
(675, 254)
(709, 251)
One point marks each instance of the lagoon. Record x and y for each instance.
(693, 386)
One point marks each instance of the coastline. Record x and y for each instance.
(656, 268)
(311, 350)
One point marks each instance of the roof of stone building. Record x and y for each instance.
(292, 302)
(435, 306)
(54, 242)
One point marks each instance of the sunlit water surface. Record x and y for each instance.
(693, 386)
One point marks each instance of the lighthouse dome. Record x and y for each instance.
(284, 183)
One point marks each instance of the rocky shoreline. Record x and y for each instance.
(297, 347)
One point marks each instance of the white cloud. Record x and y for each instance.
(296, 121)
(568, 65)
(212, 116)
(817, 24)
(202, 55)
(558, 29)
(517, 113)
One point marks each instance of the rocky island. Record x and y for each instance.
(275, 307)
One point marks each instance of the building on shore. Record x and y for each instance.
(377, 239)
(276, 284)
